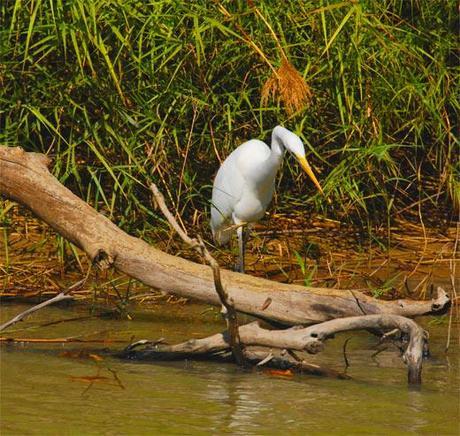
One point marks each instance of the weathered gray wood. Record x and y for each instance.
(310, 339)
(24, 177)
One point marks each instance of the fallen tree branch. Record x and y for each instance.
(26, 179)
(156, 351)
(59, 297)
(229, 310)
(310, 339)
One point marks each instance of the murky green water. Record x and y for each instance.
(47, 389)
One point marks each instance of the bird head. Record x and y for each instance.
(294, 145)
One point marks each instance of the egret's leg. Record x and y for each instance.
(241, 247)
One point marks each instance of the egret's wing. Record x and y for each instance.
(230, 185)
(226, 192)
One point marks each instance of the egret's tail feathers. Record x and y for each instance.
(221, 226)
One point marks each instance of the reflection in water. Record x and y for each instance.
(90, 380)
(416, 404)
(242, 403)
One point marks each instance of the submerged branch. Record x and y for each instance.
(60, 297)
(310, 339)
(8, 340)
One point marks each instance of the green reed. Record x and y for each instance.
(121, 93)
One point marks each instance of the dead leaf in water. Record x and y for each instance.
(81, 354)
(90, 379)
(75, 354)
(280, 372)
(96, 357)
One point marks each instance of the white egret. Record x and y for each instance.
(244, 184)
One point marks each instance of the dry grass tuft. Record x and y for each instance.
(287, 85)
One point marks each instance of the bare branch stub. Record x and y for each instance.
(60, 297)
(199, 246)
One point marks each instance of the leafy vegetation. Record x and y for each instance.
(124, 92)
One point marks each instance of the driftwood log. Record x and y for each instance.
(310, 339)
(24, 177)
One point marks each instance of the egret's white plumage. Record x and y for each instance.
(244, 184)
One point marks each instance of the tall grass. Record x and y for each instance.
(124, 92)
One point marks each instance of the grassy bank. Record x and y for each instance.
(124, 92)
(35, 263)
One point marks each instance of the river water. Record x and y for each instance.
(76, 388)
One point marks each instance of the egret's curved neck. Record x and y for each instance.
(265, 174)
(277, 145)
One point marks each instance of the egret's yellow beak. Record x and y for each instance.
(307, 168)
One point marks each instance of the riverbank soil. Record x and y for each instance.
(406, 260)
